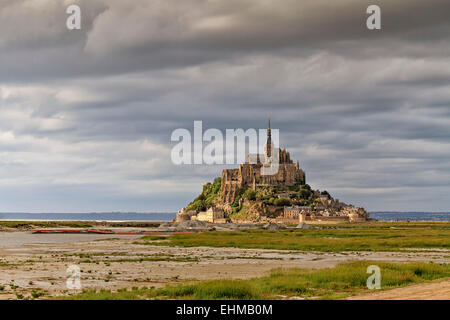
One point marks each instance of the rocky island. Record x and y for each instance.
(255, 192)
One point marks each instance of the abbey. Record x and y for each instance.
(273, 168)
(267, 187)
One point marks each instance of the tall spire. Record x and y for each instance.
(268, 146)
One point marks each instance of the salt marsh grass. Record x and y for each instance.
(331, 283)
(346, 237)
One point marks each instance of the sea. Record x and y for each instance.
(93, 216)
(167, 216)
(410, 216)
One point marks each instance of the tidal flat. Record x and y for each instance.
(325, 263)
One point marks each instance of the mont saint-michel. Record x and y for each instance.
(267, 187)
(102, 144)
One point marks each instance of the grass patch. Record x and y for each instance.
(154, 237)
(44, 224)
(36, 294)
(77, 224)
(95, 257)
(156, 258)
(341, 281)
(347, 237)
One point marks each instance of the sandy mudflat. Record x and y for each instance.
(17, 238)
(437, 290)
(43, 265)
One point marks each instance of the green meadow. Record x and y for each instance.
(344, 280)
(380, 236)
(44, 224)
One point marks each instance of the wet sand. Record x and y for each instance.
(17, 238)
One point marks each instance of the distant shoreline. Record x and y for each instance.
(166, 217)
(94, 216)
(83, 220)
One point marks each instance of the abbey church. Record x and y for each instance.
(273, 168)
(267, 187)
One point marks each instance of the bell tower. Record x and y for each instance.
(268, 146)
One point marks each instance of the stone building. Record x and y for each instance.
(211, 215)
(293, 212)
(254, 172)
(184, 215)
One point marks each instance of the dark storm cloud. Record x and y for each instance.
(142, 35)
(366, 112)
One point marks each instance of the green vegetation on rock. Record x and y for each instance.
(246, 213)
(282, 202)
(250, 204)
(210, 194)
(249, 194)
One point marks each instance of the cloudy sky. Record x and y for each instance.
(86, 115)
